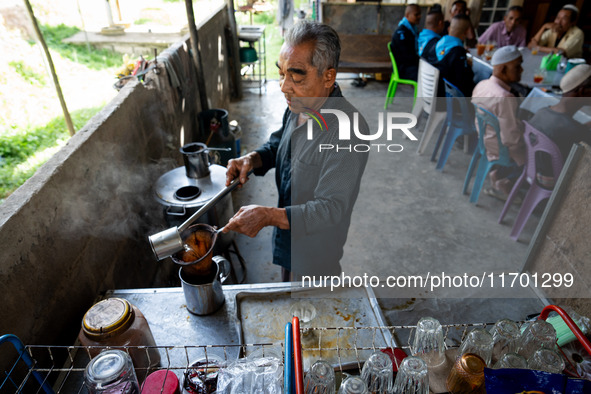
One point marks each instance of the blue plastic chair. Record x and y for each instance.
(484, 119)
(459, 121)
(395, 80)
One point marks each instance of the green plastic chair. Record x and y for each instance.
(395, 80)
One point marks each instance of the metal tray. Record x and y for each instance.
(261, 316)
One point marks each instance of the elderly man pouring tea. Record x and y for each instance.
(317, 189)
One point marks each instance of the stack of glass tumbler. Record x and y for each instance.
(506, 345)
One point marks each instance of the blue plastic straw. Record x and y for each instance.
(288, 368)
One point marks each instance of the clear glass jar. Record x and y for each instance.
(116, 323)
(111, 372)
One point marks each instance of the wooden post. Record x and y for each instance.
(233, 45)
(56, 82)
(196, 55)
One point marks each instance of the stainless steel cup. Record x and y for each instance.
(196, 158)
(207, 297)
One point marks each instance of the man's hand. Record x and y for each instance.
(239, 168)
(250, 219)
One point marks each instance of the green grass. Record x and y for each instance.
(27, 73)
(95, 59)
(142, 21)
(23, 151)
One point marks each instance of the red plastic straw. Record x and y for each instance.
(297, 356)
(569, 322)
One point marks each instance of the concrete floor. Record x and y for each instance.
(409, 218)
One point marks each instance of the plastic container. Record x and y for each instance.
(111, 372)
(161, 382)
(116, 323)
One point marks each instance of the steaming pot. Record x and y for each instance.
(182, 196)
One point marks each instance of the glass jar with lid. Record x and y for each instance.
(111, 372)
(115, 322)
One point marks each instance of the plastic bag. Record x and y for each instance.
(511, 381)
(257, 376)
(550, 61)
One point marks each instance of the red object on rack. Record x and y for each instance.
(297, 356)
(161, 382)
(569, 322)
(396, 356)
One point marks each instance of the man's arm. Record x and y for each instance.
(540, 39)
(573, 45)
(486, 36)
(250, 219)
(511, 128)
(471, 37)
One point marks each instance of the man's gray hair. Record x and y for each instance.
(327, 48)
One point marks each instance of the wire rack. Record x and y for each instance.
(60, 369)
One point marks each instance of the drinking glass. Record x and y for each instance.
(467, 375)
(320, 379)
(539, 75)
(353, 385)
(306, 312)
(111, 372)
(479, 342)
(511, 360)
(505, 334)
(548, 360)
(428, 342)
(539, 334)
(377, 373)
(412, 377)
(480, 49)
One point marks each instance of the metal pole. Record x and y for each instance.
(51, 69)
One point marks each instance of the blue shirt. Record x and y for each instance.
(426, 36)
(413, 29)
(446, 44)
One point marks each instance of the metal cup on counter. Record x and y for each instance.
(207, 296)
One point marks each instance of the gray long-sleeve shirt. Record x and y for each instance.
(317, 188)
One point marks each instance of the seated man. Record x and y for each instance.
(562, 35)
(430, 35)
(509, 31)
(404, 43)
(460, 7)
(451, 57)
(557, 121)
(494, 95)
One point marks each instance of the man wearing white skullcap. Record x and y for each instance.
(562, 35)
(494, 95)
(557, 121)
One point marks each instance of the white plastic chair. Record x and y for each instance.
(426, 101)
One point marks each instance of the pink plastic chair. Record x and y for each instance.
(535, 141)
